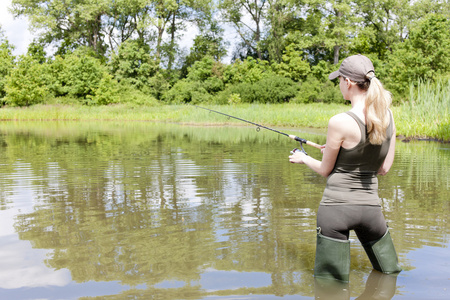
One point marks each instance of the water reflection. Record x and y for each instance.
(171, 212)
(378, 286)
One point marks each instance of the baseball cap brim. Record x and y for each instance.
(334, 75)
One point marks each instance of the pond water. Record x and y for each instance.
(163, 211)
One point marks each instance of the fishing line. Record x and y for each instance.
(259, 126)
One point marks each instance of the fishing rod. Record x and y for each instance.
(258, 126)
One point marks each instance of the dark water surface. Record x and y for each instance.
(158, 211)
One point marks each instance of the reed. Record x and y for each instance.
(290, 115)
(426, 115)
(309, 115)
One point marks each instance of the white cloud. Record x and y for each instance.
(15, 29)
(22, 265)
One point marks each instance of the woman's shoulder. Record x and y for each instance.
(341, 119)
(344, 125)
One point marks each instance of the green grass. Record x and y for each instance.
(295, 115)
(426, 115)
(418, 120)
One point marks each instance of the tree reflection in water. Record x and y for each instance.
(179, 212)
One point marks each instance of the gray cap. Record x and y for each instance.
(354, 67)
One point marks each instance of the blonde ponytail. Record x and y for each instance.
(378, 101)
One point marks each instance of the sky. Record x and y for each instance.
(16, 30)
(18, 33)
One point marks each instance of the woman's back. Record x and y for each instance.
(353, 180)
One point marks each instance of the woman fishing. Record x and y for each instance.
(360, 145)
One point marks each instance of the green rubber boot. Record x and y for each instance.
(332, 258)
(382, 254)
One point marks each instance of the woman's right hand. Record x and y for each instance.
(297, 157)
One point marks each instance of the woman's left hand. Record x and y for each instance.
(297, 158)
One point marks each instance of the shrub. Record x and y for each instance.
(104, 93)
(156, 86)
(213, 85)
(246, 91)
(293, 65)
(425, 55)
(185, 91)
(248, 71)
(273, 89)
(56, 84)
(276, 89)
(133, 97)
(234, 99)
(202, 69)
(79, 75)
(330, 93)
(27, 84)
(7, 62)
(314, 90)
(322, 70)
(309, 91)
(134, 64)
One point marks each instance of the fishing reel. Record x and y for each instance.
(301, 141)
(299, 150)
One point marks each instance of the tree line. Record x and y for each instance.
(112, 51)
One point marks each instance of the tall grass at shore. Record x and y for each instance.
(301, 115)
(289, 114)
(426, 115)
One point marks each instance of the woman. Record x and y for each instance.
(360, 145)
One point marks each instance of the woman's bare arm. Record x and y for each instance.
(389, 160)
(335, 137)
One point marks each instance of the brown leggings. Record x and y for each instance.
(336, 221)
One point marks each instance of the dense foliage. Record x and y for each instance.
(110, 51)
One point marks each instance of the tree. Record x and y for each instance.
(340, 25)
(129, 19)
(134, 64)
(385, 23)
(172, 16)
(68, 24)
(36, 50)
(236, 11)
(279, 14)
(7, 63)
(306, 35)
(209, 42)
(424, 55)
(100, 24)
(323, 29)
(163, 13)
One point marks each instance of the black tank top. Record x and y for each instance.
(353, 180)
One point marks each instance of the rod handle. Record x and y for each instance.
(309, 143)
(313, 145)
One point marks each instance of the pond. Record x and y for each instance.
(114, 210)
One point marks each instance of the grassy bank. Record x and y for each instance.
(314, 115)
(426, 115)
(411, 120)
